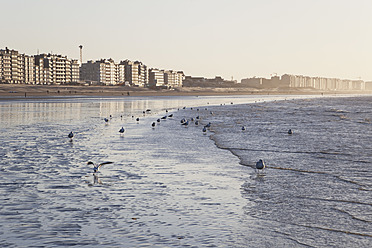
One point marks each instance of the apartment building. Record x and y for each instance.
(136, 73)
(104, 71)
(29, 66)
(55, 69)
(156, 78)
(321, 83)
(37, 69)
(173, 79)
(11, 66)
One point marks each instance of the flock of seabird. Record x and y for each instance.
(260, 164)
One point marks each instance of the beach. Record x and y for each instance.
(10, 91)
(174, 185)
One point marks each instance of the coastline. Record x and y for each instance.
(19, 91)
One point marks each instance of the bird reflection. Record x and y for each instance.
(96, 179)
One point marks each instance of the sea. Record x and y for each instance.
(174, 185)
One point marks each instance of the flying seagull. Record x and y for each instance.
(97, 166)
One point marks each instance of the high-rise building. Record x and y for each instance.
(156, 78)
(173, 79)
(55, 69)
(11, 66)
(29, 66)
(136, 73)
(103, 71)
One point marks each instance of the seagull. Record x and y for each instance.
(164, 117)
(208, 125)
(106, 120)
(290, 131)
(204, 130)
(196, 123)
(186, 123)
(137, 119)
(158, 120)
(183, 120)
(171, 115)
(153, 124)
(97, 166)
(71, 135)
(260, 165)
(121, 130)
(243, 128)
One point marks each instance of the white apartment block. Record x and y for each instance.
(320, 83)
(136, 73)
(156, 78)
(103, 71)
(11, 66)
(167, 79)
(173, 79)
(37, 69)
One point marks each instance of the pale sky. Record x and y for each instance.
(228, 38)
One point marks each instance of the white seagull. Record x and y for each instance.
(97, 166)
(122, 130)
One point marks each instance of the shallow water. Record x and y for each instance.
(170, 186)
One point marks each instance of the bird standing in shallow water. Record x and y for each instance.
(186, 123)
(260, 165)
(204, 130)
(122, 130)
(153, 124)
(290, 131)
(97, 166)
(71, 135)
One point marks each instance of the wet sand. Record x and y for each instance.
(9, 91)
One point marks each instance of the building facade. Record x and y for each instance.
(299, 81)
(11, 66)
(156, 78)
(104, 71)
(37, 69)
(173, 79)
(136, 73)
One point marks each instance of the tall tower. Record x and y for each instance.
(81, 54)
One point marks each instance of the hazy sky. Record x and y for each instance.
(239, 38)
